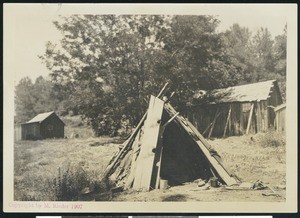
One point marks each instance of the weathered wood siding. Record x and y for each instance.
(202, 117)
(31, 131)
(52, 127)
(280, 119)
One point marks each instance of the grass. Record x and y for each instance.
(254, 157)
(37, 163)
(62, 169)
(74, 125)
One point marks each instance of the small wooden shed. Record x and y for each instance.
(235, 110)
(280, 117)
(42, 126)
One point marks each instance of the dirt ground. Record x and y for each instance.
(246, 158)
(37, 163)
(190, 192)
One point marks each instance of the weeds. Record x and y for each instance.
(69, 183)
(74, 183)
(273, 139)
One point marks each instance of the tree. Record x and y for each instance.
(263, 50)
(197, 58)
(24, 101)
(108, 65)
(34, 98)
(238, 43)
(280, 52)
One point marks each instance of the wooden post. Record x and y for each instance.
(249, 119)
(213, 123)
(227, 120)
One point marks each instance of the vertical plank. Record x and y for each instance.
(249, 119)
(149, 142)
(258, 117)
(241, 119)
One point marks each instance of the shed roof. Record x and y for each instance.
(40, 117)
(243, 93)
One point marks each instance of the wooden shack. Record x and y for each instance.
(280, 117)
(235, 110)
(42, 126)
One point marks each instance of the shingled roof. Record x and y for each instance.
(40, 117)
(243, 93)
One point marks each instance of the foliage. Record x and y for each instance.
(69, 182)
(34, 98)
(257, 57)
(108, 65)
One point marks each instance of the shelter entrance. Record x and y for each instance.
(182, 160)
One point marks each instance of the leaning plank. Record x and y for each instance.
(216, 165)
(227, 121)
(207, 128)
(135, 153)
(213, 123)
(249, 119)
(129, 141)
(205, 147)
(144, 167)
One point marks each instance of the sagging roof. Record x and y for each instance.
(40, 117)
(243, 93)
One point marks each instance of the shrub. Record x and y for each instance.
(69, 182)
(273, 139)
(74, 183)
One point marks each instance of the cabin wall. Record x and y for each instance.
(52, 127)
(273, 101)
(31, 131)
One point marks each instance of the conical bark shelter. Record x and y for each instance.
(165, 147)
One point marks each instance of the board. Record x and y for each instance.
(149, 140)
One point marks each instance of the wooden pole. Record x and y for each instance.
(249, 119)
(213, 123)
(227, 121)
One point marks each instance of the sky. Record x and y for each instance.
(27, 27)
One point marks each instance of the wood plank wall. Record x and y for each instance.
(202, 117)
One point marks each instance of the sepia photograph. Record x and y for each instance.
(144, 105)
